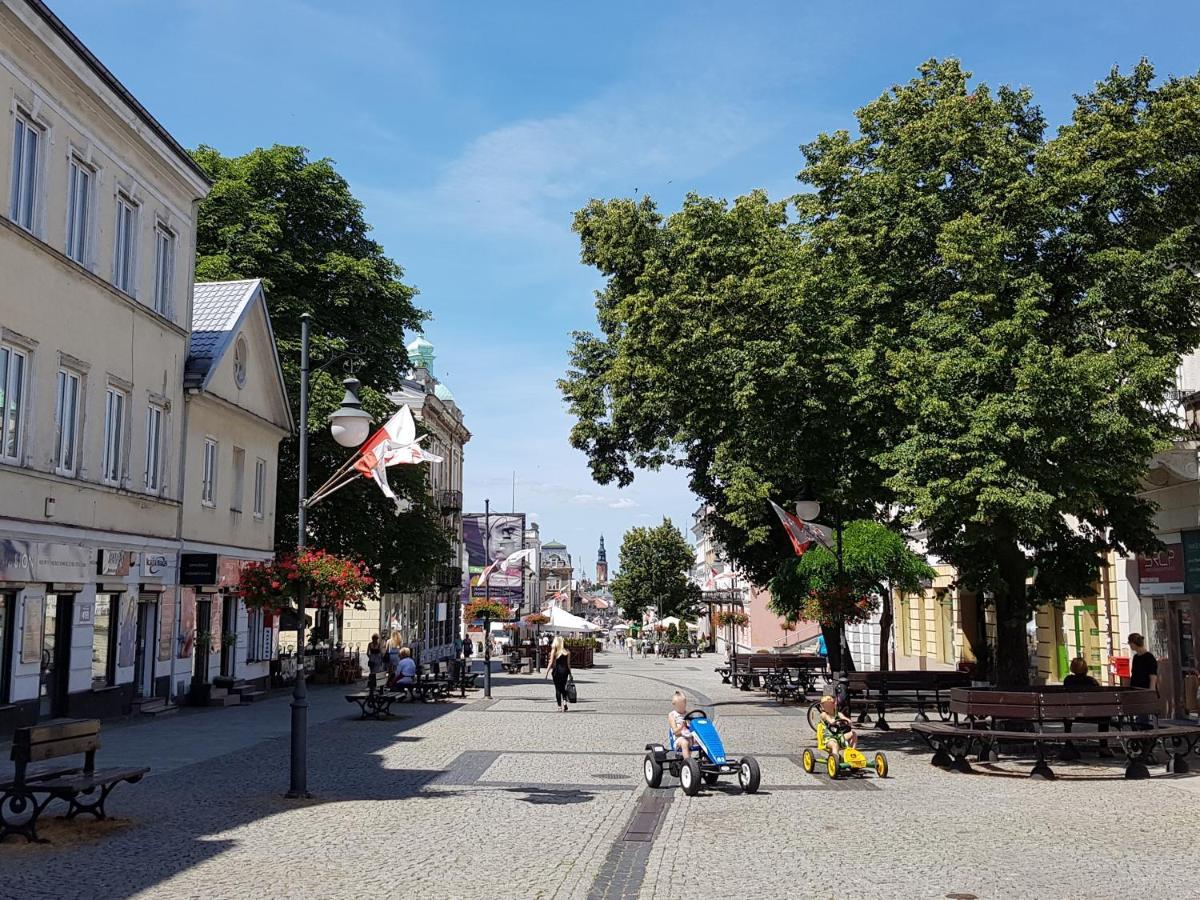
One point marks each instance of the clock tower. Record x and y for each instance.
(601, 563)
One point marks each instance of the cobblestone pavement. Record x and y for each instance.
(511, 798)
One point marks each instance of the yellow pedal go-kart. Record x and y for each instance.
(849, 760)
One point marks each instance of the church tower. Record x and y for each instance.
(601, 564)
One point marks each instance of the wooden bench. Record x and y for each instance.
(920, 690)
(748, 670)
(990, 718)
(25, 797)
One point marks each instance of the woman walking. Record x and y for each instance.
(560, 666)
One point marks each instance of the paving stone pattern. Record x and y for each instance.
(514, 798)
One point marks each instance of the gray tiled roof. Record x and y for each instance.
(217, 307)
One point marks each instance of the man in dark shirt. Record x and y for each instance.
(1143, 669)
(1080, 680)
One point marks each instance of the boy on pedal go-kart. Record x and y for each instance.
(681, 735)
(839, 731)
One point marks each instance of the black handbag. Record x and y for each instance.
(572, 694)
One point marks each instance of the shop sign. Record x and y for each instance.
(229, 571)
(1163, 572)
(112, 563)
(155, 564)
(1191, 562)
(37, 561)
(198, 568)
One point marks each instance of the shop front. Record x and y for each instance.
(1170, 581)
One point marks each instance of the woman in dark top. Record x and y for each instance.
(560, 666)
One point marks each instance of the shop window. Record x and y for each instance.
(256, 643)
(104, 640)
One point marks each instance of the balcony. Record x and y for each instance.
(448, 576)
(449, 501)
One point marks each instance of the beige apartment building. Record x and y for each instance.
(235, 413)
(97, 240)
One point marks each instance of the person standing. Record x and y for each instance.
(560, 667)
(374, 657)
(1143, 671)
(393, 656)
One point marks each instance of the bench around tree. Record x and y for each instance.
(920, 690)
(984, 718)
(26, 796)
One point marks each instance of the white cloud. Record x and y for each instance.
(622, 503)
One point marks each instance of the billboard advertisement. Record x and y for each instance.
(491, 537)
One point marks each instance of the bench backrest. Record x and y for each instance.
(36, 743)
(997, 704)
(1054, 705)
(908, 680)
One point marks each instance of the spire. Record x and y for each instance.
(601, 555)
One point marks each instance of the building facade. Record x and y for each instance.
(430, 620)
(236, 412)
(97, 241)
(557, 574)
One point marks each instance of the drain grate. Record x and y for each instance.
(611, 776)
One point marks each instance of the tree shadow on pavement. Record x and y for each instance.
(552, 796)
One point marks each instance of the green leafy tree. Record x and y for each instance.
(1049, 290)
(654, 565)
(875, 561)
(275, 214)
(725, 348)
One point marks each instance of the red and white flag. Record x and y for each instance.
(800, 533)
(396, 443)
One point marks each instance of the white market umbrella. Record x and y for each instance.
(562, 621)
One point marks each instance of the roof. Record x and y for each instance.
(553, 545)
(219, 310)
(110, 80)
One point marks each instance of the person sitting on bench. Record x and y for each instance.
(681, 735)
(1080, 680)
(406, 670)
(839, 731)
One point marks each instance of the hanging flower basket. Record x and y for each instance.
(729, 617)
(483, 608)
(328, 581)
(839, 606)
(536, 619)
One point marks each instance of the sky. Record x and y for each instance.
(472, 131)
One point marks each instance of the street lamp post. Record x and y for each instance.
(487, 593)
(350, 426)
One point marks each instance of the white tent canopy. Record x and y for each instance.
(563, 622)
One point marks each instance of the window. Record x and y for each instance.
(66, 421)
(27, 139)
(154, 437)
(114, 435)
(260, 486)
(104, 640)
(164, 269)
(12, 396)
(125, 258)
(256, 635)
(239, 479)
(79, 210)
(240, 352)
(208, 488)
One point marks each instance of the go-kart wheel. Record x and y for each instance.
(881, 765)
(831, 766)
(814, 716)
(712, 777)
(653, 771)
(809, 761)
(689, 777)
(749, 774)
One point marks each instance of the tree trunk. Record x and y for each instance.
(838, 652)
(1011, 666)
(885, 628)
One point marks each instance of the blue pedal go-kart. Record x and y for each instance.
(708, 761)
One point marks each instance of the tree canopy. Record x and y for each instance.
(654, 564)
(960, 321)
(275, 214)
